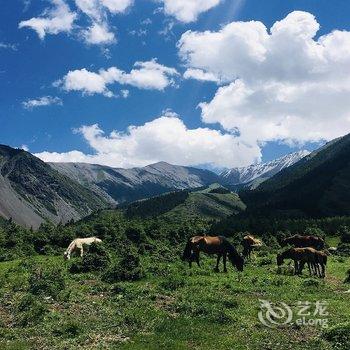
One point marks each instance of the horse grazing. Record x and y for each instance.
(301, 256)
(300, 241)
(249, 243)
(212, 245)
(78, 244)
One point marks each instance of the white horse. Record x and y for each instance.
(78, 244)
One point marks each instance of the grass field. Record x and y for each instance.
(171, 308)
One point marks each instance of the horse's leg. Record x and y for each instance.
(309, 267)
(301, 267)
(197, 259)
(217, 263)
(323, 270)
(224, 259)
(318, 272)
(296, 267)
(81, 251)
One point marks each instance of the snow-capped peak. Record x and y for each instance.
(266, 170)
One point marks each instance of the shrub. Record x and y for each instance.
(339, 335)
(95, 259)
(311, 282)
(265, 261)
(31, 310)
(343, 249)
(127, 269)
(46, 281)
(173, 282)
(344, 234)
(70, 328)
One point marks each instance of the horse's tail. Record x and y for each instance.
(187, 251)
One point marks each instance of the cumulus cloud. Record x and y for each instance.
(188, 10)
(199, 74)
(60, 18)
(144, 75)
(98, 34)
(281, 84)
(53, 21)
(42, 101)
(163, 139)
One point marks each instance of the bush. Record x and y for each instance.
(95, 259)
(265, 261)
(127, 269)
(344, 234)
(46, 281)
(311, 282)
(70, 328)
(343, 249)
(31, 310)
(173, 282)
(339, 335)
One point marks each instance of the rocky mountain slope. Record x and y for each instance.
(317, 185)
(127, 185)
(32, 192)
(253, 175)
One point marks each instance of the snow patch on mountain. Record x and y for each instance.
(263, 171)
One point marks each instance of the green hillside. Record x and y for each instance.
(317, 186)
(214, 202)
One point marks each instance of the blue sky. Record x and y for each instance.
(50, 111)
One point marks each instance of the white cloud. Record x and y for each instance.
(42, 101)
(163, 139)
(125, 93)
(24, 147)
(98, 34)
(188, 10)
(145, 75)
(282, 84)
(59, 18)
(53, 21)
(199, 74)
(12, 47)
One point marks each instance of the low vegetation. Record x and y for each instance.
(133, 291)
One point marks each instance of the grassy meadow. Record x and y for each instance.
(43, 305)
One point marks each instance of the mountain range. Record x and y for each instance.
(253, 175)
(32, 191)
(127, 185)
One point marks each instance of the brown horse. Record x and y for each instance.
(301, 256)
(249, 242)
(300, 241)
(212, 245)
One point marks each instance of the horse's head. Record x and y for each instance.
(236, 260)
(279, 259)
(66, 256)
(240, 263)
(97, 240)
(187, 251)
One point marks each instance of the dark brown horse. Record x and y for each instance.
(249, 243)
(301, 256)
(212, 245)
(300, 241)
